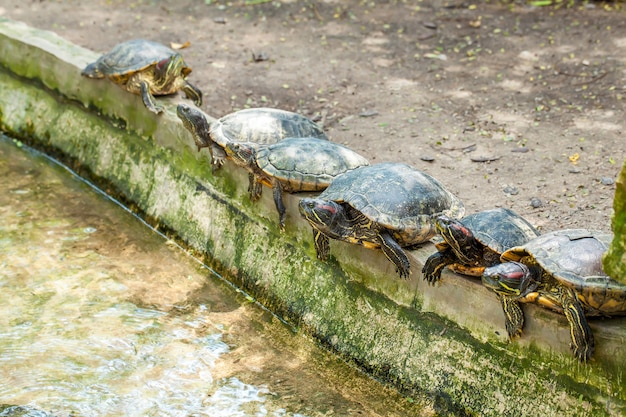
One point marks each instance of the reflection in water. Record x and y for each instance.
(101, 317)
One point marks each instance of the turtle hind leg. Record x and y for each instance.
(582, 341)
(513, 316)
(148, 99)
(435, 263)
(394, 252)
(193, 93)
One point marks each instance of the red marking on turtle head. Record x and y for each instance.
(517, 275)
(328, 207)
(458, 227)
(162, 63)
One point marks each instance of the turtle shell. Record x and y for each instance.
(573, 257)
(263, 125)
(133, 56)
(397, 197)
(500, 229)
(307, 164)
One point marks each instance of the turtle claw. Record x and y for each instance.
(217, 163)
(216, 166)
(156, 109)
(404, 273)
(514, 331)
(431, 278)
(435, 264)
(582, 353)
(218, 156)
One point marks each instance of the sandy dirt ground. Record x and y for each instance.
(508, 104)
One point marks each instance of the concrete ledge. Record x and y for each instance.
(444, 345)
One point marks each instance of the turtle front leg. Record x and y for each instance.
(148, 99)
(322, 244)
(255, 188)
(394, 252)
(193, 93)
(280, 204)
(582, 343)
(435, 264)
(218, 156)
(513, 315)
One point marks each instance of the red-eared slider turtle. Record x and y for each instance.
(476, 241)
(561, 271)
(387, 206)
(258, 125)
(146, 68)
(293, 165)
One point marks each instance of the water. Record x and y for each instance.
(100, 316)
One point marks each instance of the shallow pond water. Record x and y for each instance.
(101, 316)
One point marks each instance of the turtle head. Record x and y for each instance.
(323, 215)
(459, 237)
(509, 278)
(92, 71)
(195, 122)
(241, 153)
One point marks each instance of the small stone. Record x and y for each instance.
(260, 56)
(607, 181)
(427, 158)
(484, 158)
(470, 148)
(535, 202)
(368, 113)
(521, 149)
(510, 190)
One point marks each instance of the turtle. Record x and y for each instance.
(387, 206)
(145, 68)
(261, 125)
(293, 165)
(476, 241)
(561, 271)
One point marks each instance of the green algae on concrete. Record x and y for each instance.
(442, 344)
(615, 259)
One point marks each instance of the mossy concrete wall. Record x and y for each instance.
(444, 345)
(615, 259)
